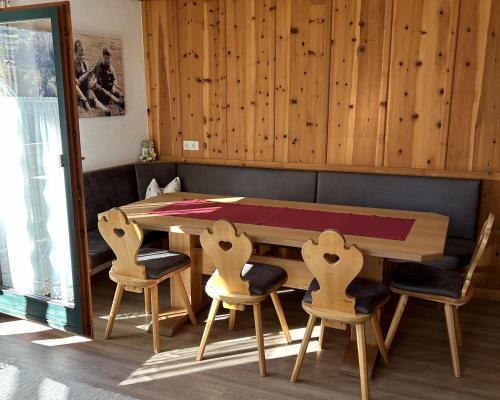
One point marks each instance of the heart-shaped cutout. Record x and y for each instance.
(226, 246)
(331, 258)
(119, 232)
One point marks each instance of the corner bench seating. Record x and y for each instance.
(456, 198)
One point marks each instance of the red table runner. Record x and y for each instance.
(283, 217)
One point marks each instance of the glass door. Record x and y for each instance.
(42, 270)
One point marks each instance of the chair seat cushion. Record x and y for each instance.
(99, 252)
(159, 262)
(262, 277)
(368, 293)
(426, 279)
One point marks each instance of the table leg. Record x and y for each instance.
(176, 316)
(373, 268)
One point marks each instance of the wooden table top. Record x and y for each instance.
(424, 242)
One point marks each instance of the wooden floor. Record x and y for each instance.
(420, 365)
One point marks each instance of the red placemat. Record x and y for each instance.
(294, 218)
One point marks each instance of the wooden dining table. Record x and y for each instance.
(424, 241)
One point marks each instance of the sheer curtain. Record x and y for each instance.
(35, 252)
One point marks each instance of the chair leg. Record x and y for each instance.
(208, 326)
(155, 318)
(114, 310)
(458, 328)
(322, 334)
(182, 290)
(363, 372)
(232, 319)
(303, 348)
(380, 339)
(147, 301)
(281, 316)
(395, 321)
(450, 324)
(257, 314)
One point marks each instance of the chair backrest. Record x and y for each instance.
(478, 251)
(229, 252)
(125, 239)
(334, 266)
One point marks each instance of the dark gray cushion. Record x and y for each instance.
(108, 188)
(422, 278)
(457, 254)
(248, 182)
(262, 277)
(100, 252)
(162, 172)
(456, 198)
(159, 262)
(367, 292)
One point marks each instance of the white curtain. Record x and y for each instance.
(35, 253)
(34, 239)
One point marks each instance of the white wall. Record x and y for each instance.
(110, 141)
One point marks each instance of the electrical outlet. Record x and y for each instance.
(190, 145)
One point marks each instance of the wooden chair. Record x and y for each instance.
(336, 294)
(237, 283)
(448, 287)
(140, 270)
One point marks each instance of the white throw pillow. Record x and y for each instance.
(155, 190)
(173, 186)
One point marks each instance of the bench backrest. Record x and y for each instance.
(249, 182)
(456, 198)
(108, 188)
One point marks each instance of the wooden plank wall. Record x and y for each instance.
(405, 86)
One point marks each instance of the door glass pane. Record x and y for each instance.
(35, 255)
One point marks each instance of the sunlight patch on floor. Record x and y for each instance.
(62, 341)
(218, 354)
(21, 327)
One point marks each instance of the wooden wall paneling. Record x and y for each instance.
(214, 79)
(282, 79)
(467, 82)
(487, 140)
(202, 65)
(250, 30)
(488, 272)
(265, 52)
(360, 48)
(162, 75)
(420, 82)
(302, 137)
(190, 25)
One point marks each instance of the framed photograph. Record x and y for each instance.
(99, 76)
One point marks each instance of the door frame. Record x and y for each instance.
(70, 136)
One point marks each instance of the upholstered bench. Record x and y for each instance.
(455, 198)
(105, 189)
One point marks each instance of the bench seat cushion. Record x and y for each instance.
(457, 255)
(248, 182)
(99, 252)
(368, 293)
(420, 278)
